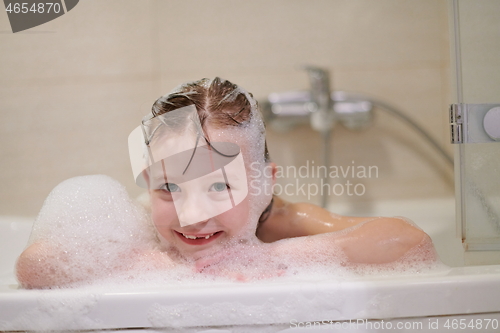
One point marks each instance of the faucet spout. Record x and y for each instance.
(322, 118)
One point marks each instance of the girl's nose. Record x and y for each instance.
(190, 210)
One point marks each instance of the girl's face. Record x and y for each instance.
(195, 240)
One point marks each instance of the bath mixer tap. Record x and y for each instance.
(322, 109)
(318, 106)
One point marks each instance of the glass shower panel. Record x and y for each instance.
(477, 71)
(481, 196)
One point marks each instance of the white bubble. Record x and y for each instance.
(89, 227)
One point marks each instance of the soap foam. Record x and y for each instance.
(89, 228)
(97, 226)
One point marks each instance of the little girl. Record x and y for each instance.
(197, 154)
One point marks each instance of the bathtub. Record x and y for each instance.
(457, 298)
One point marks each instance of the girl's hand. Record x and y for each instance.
(242, 263)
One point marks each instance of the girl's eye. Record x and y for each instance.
(171, 187)
(218, 187)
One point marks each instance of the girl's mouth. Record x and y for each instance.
(193, 239)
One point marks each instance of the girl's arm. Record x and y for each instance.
(44, 265)
(40, 266)
(377, 241)
(288, 220)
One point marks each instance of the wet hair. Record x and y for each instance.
(219, 103)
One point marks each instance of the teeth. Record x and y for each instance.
(194, 237)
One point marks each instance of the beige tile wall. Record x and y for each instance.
(72, 89)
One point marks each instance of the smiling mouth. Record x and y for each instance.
(198, 239)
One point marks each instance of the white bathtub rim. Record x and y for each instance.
(462, 290)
